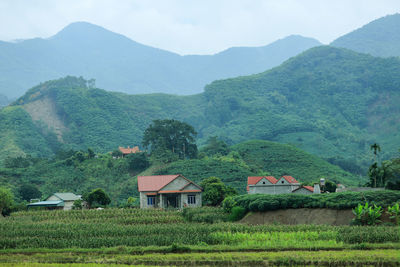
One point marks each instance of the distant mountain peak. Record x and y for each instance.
(85, 30)
(380, 37)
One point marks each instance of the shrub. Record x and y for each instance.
(237, 213)
(394, 213)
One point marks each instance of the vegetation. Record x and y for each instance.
(215, 191)
(6, 200)
(367, 215)
(97, 198)
(334, 113)
(134, 236)
(378, 38)
(345, 200)
(174, 136)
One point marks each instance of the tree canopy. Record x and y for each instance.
(173, 135)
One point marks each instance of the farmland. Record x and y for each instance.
(154, 237)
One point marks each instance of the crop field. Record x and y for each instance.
(154, 237)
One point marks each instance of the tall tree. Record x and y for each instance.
(373, 170)
(6, 199)
(173, 135)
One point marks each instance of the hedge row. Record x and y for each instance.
(344, 200)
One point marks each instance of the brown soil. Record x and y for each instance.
(301, 216)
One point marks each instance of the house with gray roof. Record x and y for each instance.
(63, 201)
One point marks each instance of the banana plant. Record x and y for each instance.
(394, 213)
(374, 213)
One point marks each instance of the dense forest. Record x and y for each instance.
(327, 101)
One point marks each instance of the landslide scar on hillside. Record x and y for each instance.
(44, 110)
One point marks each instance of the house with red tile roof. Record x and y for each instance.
(271, 185)
(128, 150)
(168, 191)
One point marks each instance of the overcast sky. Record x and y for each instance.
(195, 27)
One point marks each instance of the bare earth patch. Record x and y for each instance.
(44, 110)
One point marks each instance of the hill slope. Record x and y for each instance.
(120, 64)
(327, 101)
(380, 37)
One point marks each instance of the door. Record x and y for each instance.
(172, 201)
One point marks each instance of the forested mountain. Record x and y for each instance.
(120, 64)
(328, 101)
(380, 37)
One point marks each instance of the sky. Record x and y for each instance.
(194, 27)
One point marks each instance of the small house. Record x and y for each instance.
(63, 201)
(284, 185)
(128, 150)
(168, 191)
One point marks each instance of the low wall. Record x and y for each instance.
(301, 216)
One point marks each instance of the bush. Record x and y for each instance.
(237, 214)
(345, 200)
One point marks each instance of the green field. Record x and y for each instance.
(155, 237)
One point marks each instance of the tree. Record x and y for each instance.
(91, 153)
(373, 169)
(28, 192)
(97, 198)
(215, 147)
(117, 154)
(376, 148)
(137, 161)
(6, 200)
(173, 135)
(215, 191)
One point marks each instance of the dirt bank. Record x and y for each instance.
(301, 216)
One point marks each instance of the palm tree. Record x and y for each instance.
(376, 148)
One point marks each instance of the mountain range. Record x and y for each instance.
(118, 63)
(331, 102)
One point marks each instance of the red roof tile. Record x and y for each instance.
(310, 188)
(155, 182)
(307, 187)
(129, 150)
(290, 179)
(252, 180)
(178, 191)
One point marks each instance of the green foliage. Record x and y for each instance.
(28, 192)
(6, 200)
(237, 213)
(394, 213)
(214, 146)
(172, 135)
(97, 198)
(343, 200)
(214, 191)
(228, 204)
(362, 234)
(205, 215)
(138, 161)
(367, 215)
(77, 204)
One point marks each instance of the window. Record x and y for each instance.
(191, 199)
(283, 182)
(151, 200)
(263, 182)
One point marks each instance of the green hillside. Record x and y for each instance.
(380, 38)
(280, 159)
(71, 171)
(121, 64)
(330, 102)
